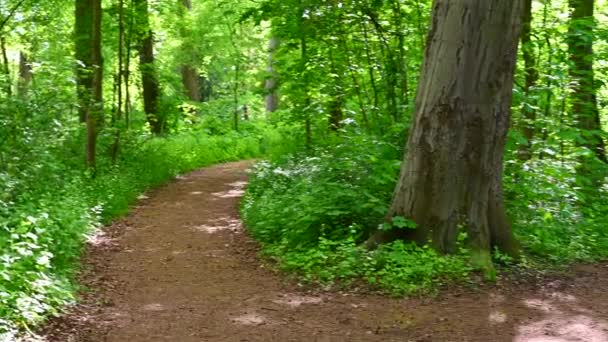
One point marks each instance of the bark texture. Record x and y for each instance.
(83, 45)
(531, 78)
(94, 115)
(7, 69)
(190, 77)
(25, 74)
(452, 170)
(272, 95)
(149, 77)
(584, 92)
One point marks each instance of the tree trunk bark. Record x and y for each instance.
(119, 79)
(531, 75)
(452, 170)
(149, 78)
(271, 87)
(190, 77)
(25, 75)
(127, 65)
(95, 109)
(7, 69)
(83, 45)
(584, 92)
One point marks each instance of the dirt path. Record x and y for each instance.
(180, 268)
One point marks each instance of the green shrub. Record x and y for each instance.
(48, 207)
(311, 210)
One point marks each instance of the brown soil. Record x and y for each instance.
(180, 268)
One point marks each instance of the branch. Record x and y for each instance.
(11, 14)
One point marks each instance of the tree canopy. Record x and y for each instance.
(405, 142)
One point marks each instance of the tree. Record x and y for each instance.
(271, 85)
(149, 77)
(25, 74)
(190, 77)
(94, 113)
(584, 92)
(452, 170)
(89, 71)
(531, 78)
(83, 40)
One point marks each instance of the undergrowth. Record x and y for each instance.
(311, 211)
(49, 205)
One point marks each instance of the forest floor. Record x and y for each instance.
(180, 268)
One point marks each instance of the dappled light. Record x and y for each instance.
(562, 320)
(219, 225)
(250, 319)
(294, 300)
(304, 170)
(238, 190)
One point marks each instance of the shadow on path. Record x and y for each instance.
(180, 268)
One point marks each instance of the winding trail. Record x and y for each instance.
(180, 268)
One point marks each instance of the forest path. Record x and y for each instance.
(180, 268)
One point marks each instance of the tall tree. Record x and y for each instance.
(453, 167)
(83, 45)
(190, 77)
(271, 86)
(7, 69)
(149, 77)
(584, 92)
(94, 114)
(25, 74)
(531, 78)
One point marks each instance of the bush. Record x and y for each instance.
(310, 211)
(48, 207)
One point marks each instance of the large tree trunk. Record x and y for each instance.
(584, 94)
(83, 45)
(272, 95)
(149, 78)
(452, 171)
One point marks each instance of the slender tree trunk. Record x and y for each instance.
(95, 109)
(584, 92)
(391, 68)
(127, 65)
(531, 75)
(25, 74)
(190, 77)
(357, 86)
(371, 65)
(307, 102)
(191, 83)
(119, 78)
(336, 114)
(401, 61)
(83, 45)
(452, 171)
(271, 86)
(235, 94)
(549, 80)
(149, 77)
(7, 69)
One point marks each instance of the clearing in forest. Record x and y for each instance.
(181, 268)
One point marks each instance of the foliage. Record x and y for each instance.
(545, 205)
(346, 73)
(312, 212)
(50, 204)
